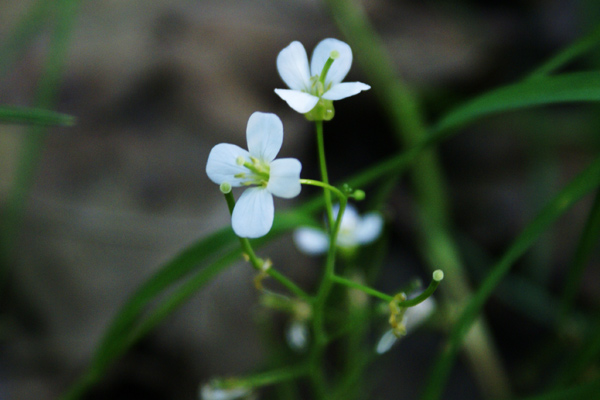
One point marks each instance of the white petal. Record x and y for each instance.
(386, 342)
(416, 315)
(368, 228)
(345, 89)
(346, 236)
(210, 393)
(284, 179)
(299, 101)
(253, 213)
(311, 241)
(340, 67)
(297, 335)
(292, 64)
(350, 219)
(265, 135)
(221, 165)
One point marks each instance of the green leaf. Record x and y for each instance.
(34, 116)
(577, 188)
(587, 243)
(172, 271)
(581, 361)
(566, 88)
(565, 56)
(130, 324)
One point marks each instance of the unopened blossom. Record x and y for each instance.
(354, 231)
(313, 89)
(256, 168)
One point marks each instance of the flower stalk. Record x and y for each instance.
(259, 263)
(324, 174)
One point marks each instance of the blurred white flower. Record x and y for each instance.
(297, 335)
(306, 86)
(354, 231)
(230, 165)
(413, 317)
(210, 392)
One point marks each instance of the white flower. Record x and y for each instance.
(210, 392)
(354, 231)
(229, 164)
(413, 317)
(297, 335)
(307, 87)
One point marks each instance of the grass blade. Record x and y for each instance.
(587, 243)
(130, 325)
(567, 55)
(34, 116)
(578, 187)
(566, 88)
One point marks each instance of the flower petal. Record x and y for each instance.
(345, 89)
(265, 135)
(340, 67)
(253, 213)
(418, 314)
(311, 241)
(299, 101)
(284, 180)
(350, 219)
(368, 228)
(292, 64)
(297, 335)
(221, 165)
(386, 342)
(211, 393)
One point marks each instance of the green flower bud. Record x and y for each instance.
(359, 195)
(225, 187)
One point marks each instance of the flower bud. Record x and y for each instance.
(225, 187)
(359, 195)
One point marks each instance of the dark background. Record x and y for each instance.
(155, 84)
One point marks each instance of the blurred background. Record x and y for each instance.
(155, 84)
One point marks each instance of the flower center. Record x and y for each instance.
(317, 82)
(258, 171)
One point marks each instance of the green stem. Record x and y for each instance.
(385, 297)
(366, 289)
(333, 189)
(321, 339)
(438, 247)
(427, 293)
(259, 263)
(324, 175)
(272, 377)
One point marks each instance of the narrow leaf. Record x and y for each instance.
(578, 187)
(34, 116)
(566, 88)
